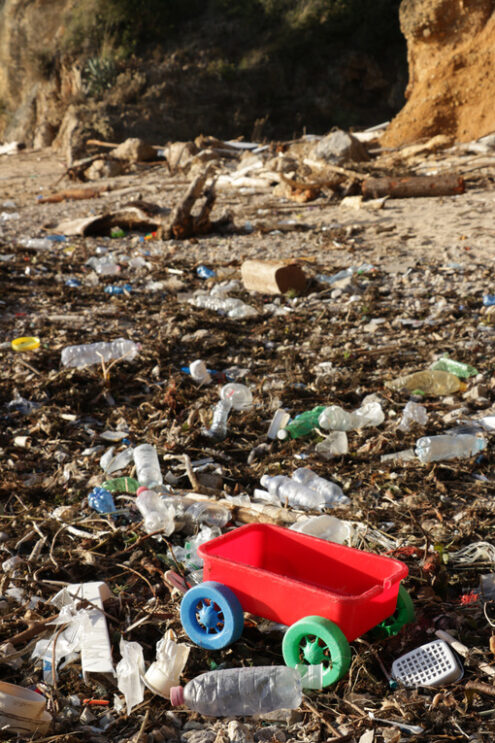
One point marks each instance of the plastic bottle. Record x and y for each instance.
(239, 396)
(95, 353)
(103, 266)
(293, 492)
(302, 424)
(101, 500)
(241, 691)
(334, 445)
(336, 418)
(148, 472)
(447, 446)
(489, 300)
(325, 527)
(218, 428)
(157, 513)
(280, 420)
(234, 308)
(199, 372)
(413, 413)
(208, 513)
(454, 367)
(116, 290)
(329, 490)
(435, 383)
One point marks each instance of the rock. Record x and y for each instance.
(179, 154)
(239, 733)
(271, 733)
(134, 150)
(340, 147)
(104, 168)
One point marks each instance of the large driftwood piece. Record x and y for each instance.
(421, 185)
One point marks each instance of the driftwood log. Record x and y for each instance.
(420, 185)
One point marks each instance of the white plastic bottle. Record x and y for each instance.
(329, 490)
(241, 691)
(157, 513)
(94, 353)
(148, 472)
(448, 446)
(297, 495)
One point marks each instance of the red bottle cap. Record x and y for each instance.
(141, 489)
(176, 696)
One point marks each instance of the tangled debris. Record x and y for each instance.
(360, 323)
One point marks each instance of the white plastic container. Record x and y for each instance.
(241, 691)
(199, 372)
(433, 664)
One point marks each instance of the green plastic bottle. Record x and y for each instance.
(121, 485)
(302, 425)
(454, 367)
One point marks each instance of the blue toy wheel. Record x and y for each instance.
(212, 615)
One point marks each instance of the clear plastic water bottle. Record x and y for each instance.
(101, 500)
(218, 428)
(158, 513)
(208, 513)
(369, 414)
(329, 490)
(448, 446)
(234, 308)
(148, 472)
(94, 353)
(241, 691)
(296, 495)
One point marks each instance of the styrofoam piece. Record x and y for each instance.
(433, 664)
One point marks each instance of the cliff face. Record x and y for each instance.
(451, 56)
(251, 68)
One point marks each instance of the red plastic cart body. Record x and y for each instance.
(283, 575)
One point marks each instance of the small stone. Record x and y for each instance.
(339, 147)
(270, 733)
(239, 733)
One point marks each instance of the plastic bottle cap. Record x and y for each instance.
(176, 696)
(28, 343)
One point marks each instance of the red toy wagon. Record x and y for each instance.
(328, 594)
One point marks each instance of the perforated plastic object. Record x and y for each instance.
(212, 615)
(433, 664)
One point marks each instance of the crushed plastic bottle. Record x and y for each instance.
(337, 419)
(116, 290)
(435, 383)
(325, 527)
(413, 413)
(208, 513)
(233, 308)
(94, 353)
(334, 445)
(302, 424)
(296, 495)
(101, 500)
(329, 490)
(218, 428)
(489, 300)
(148, 472)
(448, 446)
(105, 266)
(241, 691)
(205, 273)
(157, 513)
(165, 671)
(454, 367)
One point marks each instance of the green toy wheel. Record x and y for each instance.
(403, 614)
(315, 640)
